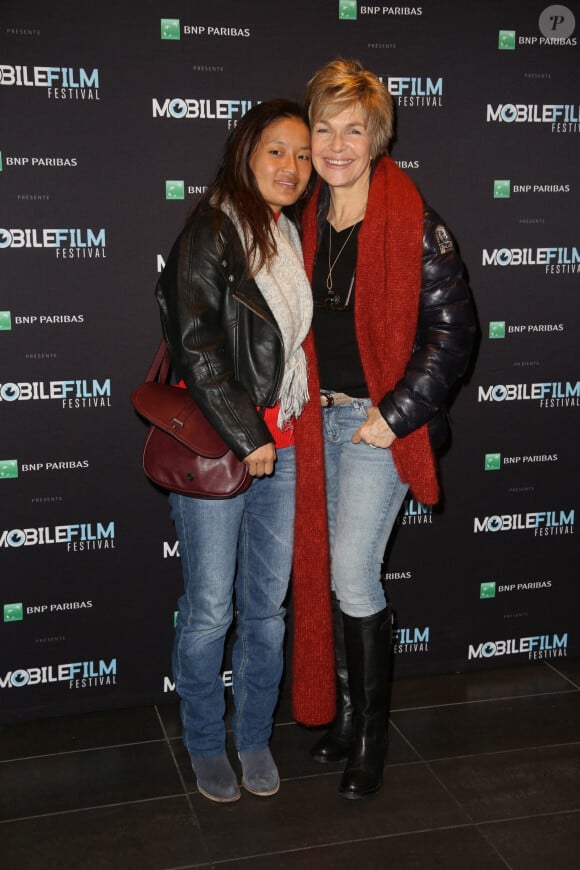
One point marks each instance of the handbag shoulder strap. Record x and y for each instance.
(159, 369)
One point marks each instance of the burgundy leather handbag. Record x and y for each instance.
(183, 452)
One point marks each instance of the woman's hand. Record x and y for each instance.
(376, 431)
(261, 461)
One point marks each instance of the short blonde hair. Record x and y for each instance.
(341, 83)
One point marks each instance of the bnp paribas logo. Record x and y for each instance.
(174, 190)
(8, 468)
(170, 28)
(5, 321)
(347, 10)
(492, 462)
(13, 612)
(502, 188)
(506, 40)
(487, 590)
(496, 329)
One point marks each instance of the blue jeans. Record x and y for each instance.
(233, 548)
(364, 495)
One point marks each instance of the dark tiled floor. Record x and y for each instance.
(483, 773)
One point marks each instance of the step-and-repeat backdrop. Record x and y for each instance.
(113, 118)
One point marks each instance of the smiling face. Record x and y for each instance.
(342, 147)
(281, 162)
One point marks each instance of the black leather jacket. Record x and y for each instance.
(223, 339)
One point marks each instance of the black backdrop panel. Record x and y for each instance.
(113, 120)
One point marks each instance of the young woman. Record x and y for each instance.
(236, 306)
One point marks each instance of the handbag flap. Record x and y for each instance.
(174, 411)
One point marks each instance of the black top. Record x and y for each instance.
(337, 351)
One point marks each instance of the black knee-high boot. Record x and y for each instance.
(336, 743)
(368, 644)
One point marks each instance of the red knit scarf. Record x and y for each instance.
(388, 284)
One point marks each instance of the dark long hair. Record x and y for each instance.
(235, 182)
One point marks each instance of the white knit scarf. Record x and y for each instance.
(286, 289)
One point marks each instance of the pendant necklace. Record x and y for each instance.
(331, 265)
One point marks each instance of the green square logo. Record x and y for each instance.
(174, 190)
(497, 328)
(487, 590)
(506, 40)
(13, 612)
(5, 321)
(347, 10)
(492, 462)
(170, 28)
(502, 189)
(8, 468)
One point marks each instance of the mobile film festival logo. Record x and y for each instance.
(79, 675)
(542, 523)
(78, 537)
(411, 640)
(556, 25)
(541, 646)
(555, 260)
(82, 393)
(562, 117)
(60, 82)
(551, 394)
(414, 513)
(178, 108)
(67, 242)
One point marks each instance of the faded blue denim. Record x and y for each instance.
(233, 550)
(364, 495)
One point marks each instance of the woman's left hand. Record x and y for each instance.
(375, 431)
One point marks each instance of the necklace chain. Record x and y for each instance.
(329, 282)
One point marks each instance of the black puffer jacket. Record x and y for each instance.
(223, 339)
(445, 332)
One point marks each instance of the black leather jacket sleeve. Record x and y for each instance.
(202, 326)
(445, 333)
